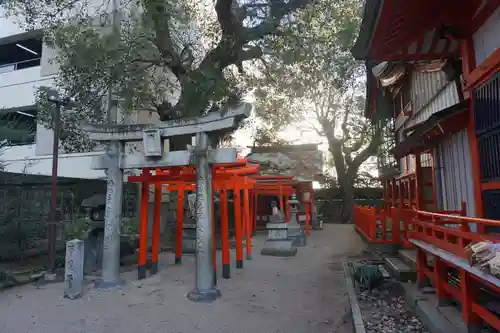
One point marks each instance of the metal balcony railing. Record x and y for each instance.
(7, 68)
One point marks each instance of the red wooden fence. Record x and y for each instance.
(441, 236)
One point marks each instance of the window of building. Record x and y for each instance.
(20, 54)
(18, 127)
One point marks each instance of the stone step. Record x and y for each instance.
(409, 257)
(399, 270)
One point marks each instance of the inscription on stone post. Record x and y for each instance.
(73, 271)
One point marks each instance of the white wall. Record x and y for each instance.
(454, 182)
(22, 159)
(17, 88)
(486, 39)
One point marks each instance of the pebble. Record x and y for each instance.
(386, 313)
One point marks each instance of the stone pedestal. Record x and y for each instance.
(277, 243)
(296, 232)
(189, 238)
(317, 222)
(73, 271)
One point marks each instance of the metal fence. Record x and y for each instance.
(24, 212)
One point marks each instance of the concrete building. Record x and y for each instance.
(24, 67)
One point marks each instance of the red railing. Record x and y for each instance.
(452, 234)
(371, 222)
(431, 233)
(391, 226)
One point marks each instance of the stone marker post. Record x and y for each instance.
(205, 289)
(73, 271)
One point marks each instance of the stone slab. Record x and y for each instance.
(174, 158)
(213, 121)
(278, 248)
(399, 269)
(435, 319)
(357, 318)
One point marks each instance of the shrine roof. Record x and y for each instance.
(412, 30)
(424, 135)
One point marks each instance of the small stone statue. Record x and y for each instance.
(277, 216)
(278, 244)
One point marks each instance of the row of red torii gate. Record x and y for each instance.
(249, 190)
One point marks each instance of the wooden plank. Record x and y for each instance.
(456, 261)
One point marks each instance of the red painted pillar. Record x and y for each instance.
(248, 227)
(261, 211)
(226, 265)
(180, 225)
(307, 210)
(155, 246)
(143, 229)
(255, 212)
(238, 226)
(287, 209)
(469, 290)
(440, 279)
(214, 236)
(421, 265)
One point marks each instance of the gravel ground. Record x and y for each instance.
(385, 312)
(302, 294)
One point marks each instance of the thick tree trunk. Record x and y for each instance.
(347, 210)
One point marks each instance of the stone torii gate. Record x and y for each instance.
(115, 160)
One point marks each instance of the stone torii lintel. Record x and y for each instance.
(169, 159)
(225, 119)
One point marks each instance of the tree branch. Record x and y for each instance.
(277, 10)
(369, 151)
(159, 14)
(224, 15)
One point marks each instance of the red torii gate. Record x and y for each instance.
(226, 177)
(283, 187)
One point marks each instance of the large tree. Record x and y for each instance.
(176, 58)
(312, 81)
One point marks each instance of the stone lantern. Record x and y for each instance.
(295, 231)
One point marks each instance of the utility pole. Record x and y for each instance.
(53, 97)
(110, 271)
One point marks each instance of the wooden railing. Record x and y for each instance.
(380, 226)
(445, 236)
(440, 238)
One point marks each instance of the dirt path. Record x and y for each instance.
(302, 294)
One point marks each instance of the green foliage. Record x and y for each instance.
(77, 229)
(174, 58)
(313, 81)
(310, 80)
(130, 226)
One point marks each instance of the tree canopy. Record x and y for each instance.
(309, 79)
(173, 58)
